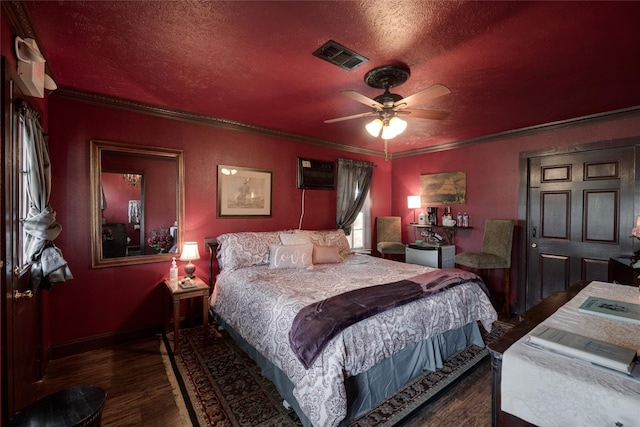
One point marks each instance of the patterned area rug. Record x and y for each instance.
(224, 387)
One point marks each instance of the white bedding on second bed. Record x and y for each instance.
(261, 303)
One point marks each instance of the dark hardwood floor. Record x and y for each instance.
(467, 403)
(139, 392)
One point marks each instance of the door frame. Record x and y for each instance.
(523, 202)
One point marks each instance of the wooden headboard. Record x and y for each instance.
(211, 245)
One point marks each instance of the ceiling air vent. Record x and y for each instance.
(339, 55)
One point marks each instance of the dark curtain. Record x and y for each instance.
(354, 181)
(40, 226)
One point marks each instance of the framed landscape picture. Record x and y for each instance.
(243, 192)
(443, 188)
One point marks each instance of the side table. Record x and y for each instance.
(177, 294)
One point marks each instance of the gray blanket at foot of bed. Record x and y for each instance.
(366, 390)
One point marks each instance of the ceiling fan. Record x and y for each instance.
(388, 107)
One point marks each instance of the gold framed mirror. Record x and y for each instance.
(137, 204)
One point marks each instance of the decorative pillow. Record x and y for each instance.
(328, 238)
(294, 239)
(291, 256)
(326, 255)
(244, 249)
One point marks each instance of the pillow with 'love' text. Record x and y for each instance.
(291, 256)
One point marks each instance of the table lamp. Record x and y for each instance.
(413, 202)
(189, 253)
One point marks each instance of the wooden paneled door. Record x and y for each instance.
(580, 210)
(21, 321)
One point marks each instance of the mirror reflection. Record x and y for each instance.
(122, 214)
(138, 203)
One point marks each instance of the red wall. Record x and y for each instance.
(492, 173)
(127, 298)
(107, 300)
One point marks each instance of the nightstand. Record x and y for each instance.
(620, 271)
(178, 294)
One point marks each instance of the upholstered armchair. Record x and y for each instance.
(389, 236)
(496, 253)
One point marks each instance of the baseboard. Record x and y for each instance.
(100, 341)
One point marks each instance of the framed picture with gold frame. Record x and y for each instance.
(443, 188)
(244, 192)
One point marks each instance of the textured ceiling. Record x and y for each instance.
(508, 65)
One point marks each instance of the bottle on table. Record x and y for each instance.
(173, 274)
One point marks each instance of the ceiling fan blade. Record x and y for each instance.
(424, 95)
(355, 116)
(362, 99)
(425, 114)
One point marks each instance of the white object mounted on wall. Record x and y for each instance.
(32, 78)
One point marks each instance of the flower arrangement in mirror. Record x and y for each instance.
(107, 234)
(635, 258)
(161, 240)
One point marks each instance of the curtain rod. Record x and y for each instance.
(357, 161)
(22, 104)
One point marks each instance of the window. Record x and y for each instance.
(360, 237)
(22, 199)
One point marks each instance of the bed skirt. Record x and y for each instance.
(367, 389)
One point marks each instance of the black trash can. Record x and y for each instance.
(73, 407)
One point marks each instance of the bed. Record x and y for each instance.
(267, 281)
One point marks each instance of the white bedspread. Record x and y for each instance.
(550, 390)
(261, 304)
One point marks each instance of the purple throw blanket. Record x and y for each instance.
(316, 324)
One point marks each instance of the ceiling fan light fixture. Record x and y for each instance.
(388, 133)
(386, 107)
(394, 127)
(374, 127)
(397, 125)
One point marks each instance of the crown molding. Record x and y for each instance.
(19, 23)
(526, 131)
(185, 116)
(18, 19)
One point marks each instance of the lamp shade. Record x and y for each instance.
(413, 202)
(397, 125)
(374, 127)
(393, 128)
(189, 251)
(387, 133)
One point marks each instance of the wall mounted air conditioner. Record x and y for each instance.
(316, 174)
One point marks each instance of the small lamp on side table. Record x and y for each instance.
(413, 202)
(189, 253)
